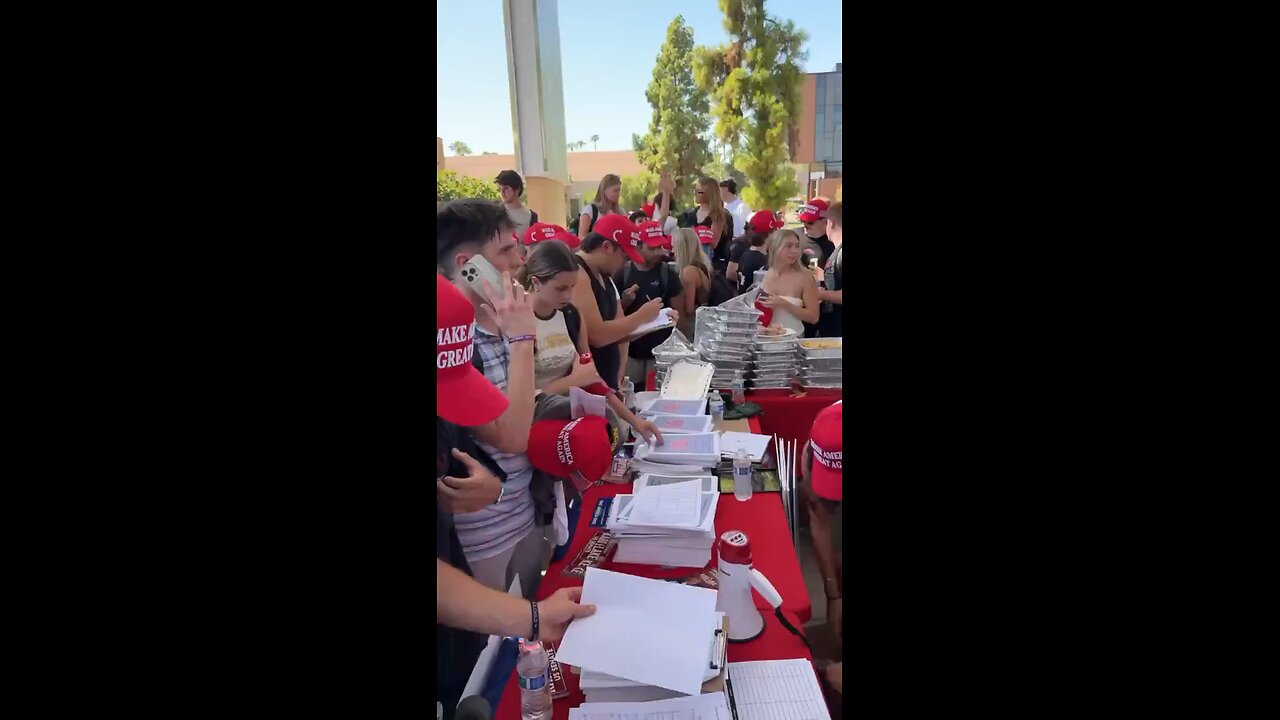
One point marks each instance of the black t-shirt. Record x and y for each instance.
(608, 359)
(650, 282)
(823, 246)
(456, 650)
(750, 262)
(832, 323)
(736, 250)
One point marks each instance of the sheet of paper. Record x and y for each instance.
(711, 706)
(681, 423)
(777, 689)
(754, 444)
(662, 321)
(649, 631)
(674, 505)
(647, 480)
(668, 406)
(584, 404)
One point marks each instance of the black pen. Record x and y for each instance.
(733, 705)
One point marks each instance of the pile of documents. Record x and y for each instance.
(649, 632)
(667, 520)
(699, 449)
(600, 687)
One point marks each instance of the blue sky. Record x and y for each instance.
(607, 55)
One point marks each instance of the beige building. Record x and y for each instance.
(439, 154)
(820, 152)
(586, 168)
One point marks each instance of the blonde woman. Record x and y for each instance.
(695, 277)
(710, 213)
(606, 202)
(789, 289)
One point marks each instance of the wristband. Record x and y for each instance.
(521, 338)
(534, 606)
(502, 490)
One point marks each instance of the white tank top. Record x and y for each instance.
(553, 351)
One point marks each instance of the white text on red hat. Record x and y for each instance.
(829, 460)
(454, 335)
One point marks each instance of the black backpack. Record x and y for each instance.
(721, 291)
(595, 215)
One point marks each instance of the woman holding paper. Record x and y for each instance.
(550, 275)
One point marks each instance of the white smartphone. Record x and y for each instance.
(477, 270)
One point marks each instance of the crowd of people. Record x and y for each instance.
(527, 310)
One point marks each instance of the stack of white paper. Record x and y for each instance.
(672, 424)
(662, 321)
(601, 687)
(755, 444)
(670, 406)
(666, 543)
(646, 631)
(711, 706)
(708, 483)
(700, 449)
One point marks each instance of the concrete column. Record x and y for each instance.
(537, 104)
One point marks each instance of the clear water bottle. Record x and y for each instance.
(715, 406)
(533, 668)
(628, 394)
(739, 392)
(741, 475)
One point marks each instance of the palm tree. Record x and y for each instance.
(594, 140)
(459, 148)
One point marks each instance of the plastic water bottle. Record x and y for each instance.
(628, 394)
(739, 393)
(741, 475)
(533, 667)
(716, 406)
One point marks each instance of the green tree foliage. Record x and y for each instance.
(459, 148)
(450, 186)
(754, 82)
(675, 142)
(637, 190)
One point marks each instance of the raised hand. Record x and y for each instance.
(510, 308)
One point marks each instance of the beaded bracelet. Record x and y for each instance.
(521, 338)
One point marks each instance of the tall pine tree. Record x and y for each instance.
(674, 142)
(754, 82)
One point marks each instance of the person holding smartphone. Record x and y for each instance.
(475, 249)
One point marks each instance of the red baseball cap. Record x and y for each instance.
(764, 221)
(651, 234)
(704, 235)
(557, 447)
(538, 232)
(815, 209)
(647, 209)
(622, 232)
(827, 444)
(464, 396)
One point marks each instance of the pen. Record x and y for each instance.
(728, 683)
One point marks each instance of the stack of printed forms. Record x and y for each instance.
(668, 520)
(601, 687)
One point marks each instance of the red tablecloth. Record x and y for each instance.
(773, 553)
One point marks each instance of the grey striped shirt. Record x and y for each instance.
(497, 528)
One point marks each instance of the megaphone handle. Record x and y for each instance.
(765, 588)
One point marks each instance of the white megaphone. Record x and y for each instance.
(736, 578)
